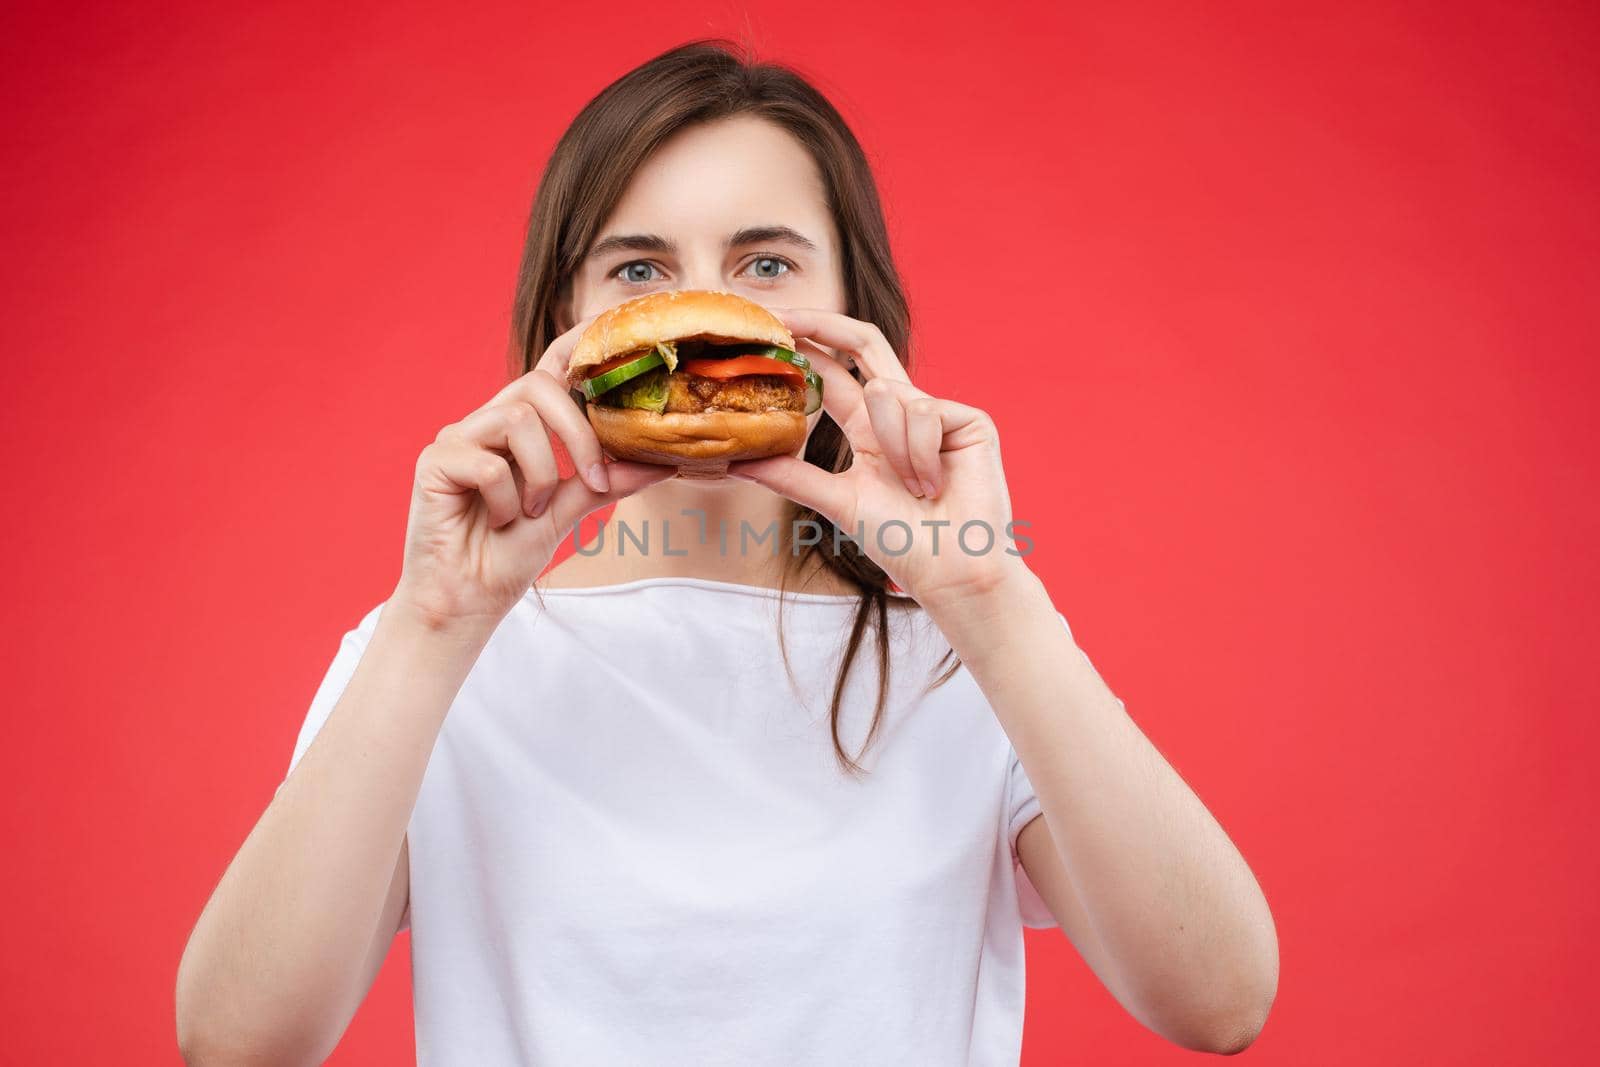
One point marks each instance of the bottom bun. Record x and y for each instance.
(699, 444)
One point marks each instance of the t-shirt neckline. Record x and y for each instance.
(713, 584)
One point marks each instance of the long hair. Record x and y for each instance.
(588, 172)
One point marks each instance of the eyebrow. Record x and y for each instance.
(650, 242)
(631, 242)
(752, 235)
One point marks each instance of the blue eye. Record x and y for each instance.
(769, 266)
(636, 273)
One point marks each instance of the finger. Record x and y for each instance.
(844, 359)
(573, 499)
(492, 427)
(467, 468)
(804, 483)
(529, 441)
(553, 362)
(888, 414)
(862, 340)
(503, 428)
(841, 393)
(925, 440)
(963, 425)
(555, 358)
(562, 414)
(547, 402)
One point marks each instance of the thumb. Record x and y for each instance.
(572, 500)
(805, 483)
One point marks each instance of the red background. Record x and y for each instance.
(1306, 439)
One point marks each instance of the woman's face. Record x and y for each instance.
(737, 204)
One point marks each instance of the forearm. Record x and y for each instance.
(1169, 896)
(275, 961)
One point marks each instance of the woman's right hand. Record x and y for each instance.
(488, 507)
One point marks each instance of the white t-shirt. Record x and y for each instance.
(633, 844)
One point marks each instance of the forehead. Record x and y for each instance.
(714, 178)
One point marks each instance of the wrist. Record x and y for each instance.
(1003, 584)
(422, 623)
(987, 617)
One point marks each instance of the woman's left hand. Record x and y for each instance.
(926, 486)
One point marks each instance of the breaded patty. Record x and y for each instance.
(751, 392)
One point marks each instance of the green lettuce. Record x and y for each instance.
(648, 392)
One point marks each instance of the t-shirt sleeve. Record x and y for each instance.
(334, 680)
(1022, 806)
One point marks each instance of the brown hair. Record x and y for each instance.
(589, 170)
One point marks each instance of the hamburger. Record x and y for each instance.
(695, 379)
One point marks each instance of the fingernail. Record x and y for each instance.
(538, 505)
(597, 478)
(912, 487)
(928, 488)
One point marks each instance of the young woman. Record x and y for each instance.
(697, 805)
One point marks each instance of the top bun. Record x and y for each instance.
(674, 315)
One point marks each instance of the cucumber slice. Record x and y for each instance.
(813, 390)
(775, 352)
(601, 383)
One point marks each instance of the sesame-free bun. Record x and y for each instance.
(699, 444)
(673, 315)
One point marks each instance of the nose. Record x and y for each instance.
(702, 279)
(704, 272)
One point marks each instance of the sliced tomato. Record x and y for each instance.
(614, 362)
(737, 366)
